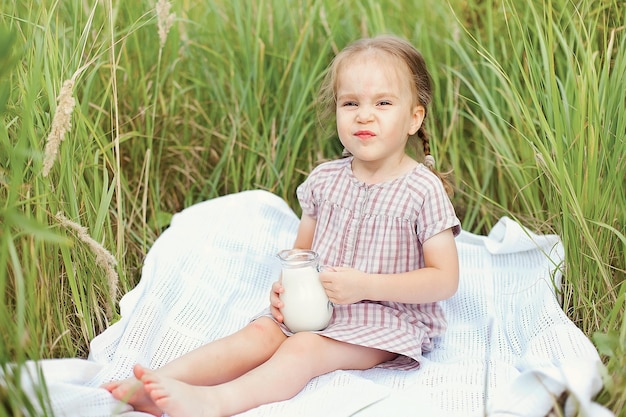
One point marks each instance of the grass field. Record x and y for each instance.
(115, 115)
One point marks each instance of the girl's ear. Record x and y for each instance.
(417, 117)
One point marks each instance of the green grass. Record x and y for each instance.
(528, 113)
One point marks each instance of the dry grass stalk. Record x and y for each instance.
(103, 257)
(326, 26)
(165, 19)
(61, 124)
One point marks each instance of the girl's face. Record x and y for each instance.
(376, 110)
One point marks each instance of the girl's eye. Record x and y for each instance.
(348, 103)
(384, 103)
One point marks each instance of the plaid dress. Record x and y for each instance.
(378, 228)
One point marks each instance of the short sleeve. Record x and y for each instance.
(315, 188)
(437, 213)
(304, 192)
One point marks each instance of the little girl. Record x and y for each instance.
(380, 220)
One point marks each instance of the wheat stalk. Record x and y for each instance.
(165, 19)
(61, 124)
(103, 257)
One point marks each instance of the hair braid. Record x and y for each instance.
(421, 133)
(429, 160)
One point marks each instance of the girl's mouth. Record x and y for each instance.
(364, 134)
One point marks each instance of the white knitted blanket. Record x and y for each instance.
(509, 349)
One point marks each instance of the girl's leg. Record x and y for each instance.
(299, 359)
(214, 363)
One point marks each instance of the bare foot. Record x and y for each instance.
(132, 391)
(178, 399)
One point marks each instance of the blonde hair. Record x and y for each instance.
(421, 84)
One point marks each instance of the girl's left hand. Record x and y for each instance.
(343, 285)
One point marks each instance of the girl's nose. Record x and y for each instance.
(364, 114)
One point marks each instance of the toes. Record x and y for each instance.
(139, 371)
(110, 386)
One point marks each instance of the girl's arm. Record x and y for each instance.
(438, 280)
(304, 238)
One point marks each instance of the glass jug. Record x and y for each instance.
(306, 306)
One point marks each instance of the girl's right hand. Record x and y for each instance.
(275, 302)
